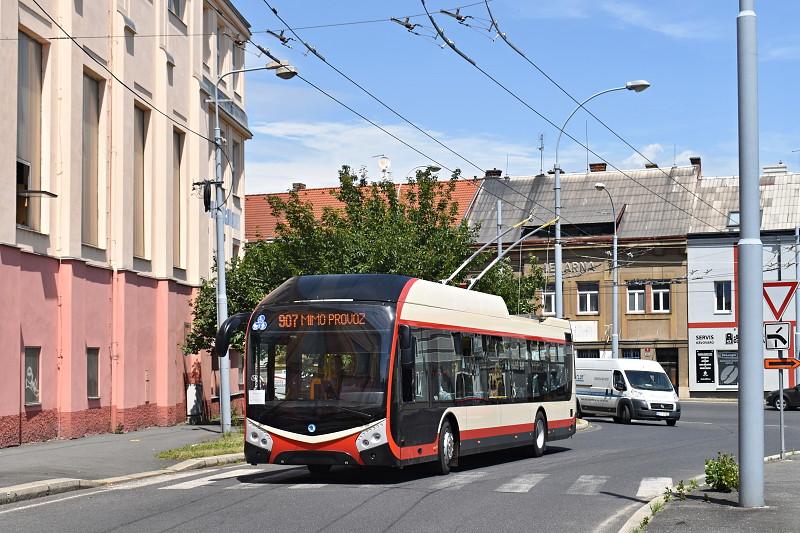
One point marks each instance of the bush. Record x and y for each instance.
(722, 473)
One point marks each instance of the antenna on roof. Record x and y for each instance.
(674, 157)
(541, 154)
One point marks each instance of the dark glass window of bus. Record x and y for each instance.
(454, 367)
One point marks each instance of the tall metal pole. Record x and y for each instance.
(499, 227)
(750, 283)
(614, 290)
(222, 296)
(796, 300)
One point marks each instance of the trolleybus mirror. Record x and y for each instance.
(231, 325)
(404, 336)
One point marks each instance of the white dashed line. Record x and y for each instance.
(650, 487)
(521, 484)
(587, 485)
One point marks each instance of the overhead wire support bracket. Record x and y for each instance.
(508, 249)
(482, 248)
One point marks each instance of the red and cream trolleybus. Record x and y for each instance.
(392, 370)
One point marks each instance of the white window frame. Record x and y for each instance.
(657, 295)
(717, 309)
(585, 296)
(177, 8)
(638, 292)
(549, 297)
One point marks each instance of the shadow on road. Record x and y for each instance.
(382, 475)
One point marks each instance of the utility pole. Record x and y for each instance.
(499, 227)
(796, 300)
(751, 278)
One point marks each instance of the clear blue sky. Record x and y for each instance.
(686, 50)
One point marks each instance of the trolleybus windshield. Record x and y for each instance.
(332, 356)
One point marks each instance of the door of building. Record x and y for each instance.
(668, 358)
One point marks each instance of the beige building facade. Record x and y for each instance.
(110, 122)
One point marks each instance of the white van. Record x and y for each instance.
(625, 389)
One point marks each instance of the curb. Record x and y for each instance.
(581, 424)
(645, 510)
(47, 487)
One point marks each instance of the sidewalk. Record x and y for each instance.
(721, 512)
(38, 469)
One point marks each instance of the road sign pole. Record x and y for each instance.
(780, 411)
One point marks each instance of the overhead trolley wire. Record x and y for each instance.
(469, 60)
(522, 54)
(319, 56)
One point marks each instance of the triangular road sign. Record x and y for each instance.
(778, 294)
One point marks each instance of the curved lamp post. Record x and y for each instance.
(615, 279)
(635, 86)
(284, 71)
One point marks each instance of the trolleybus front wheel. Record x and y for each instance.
(447, 449)
(318, 470)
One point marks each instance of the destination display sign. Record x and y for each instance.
(321, 319)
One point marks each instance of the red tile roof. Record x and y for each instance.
(259, 223)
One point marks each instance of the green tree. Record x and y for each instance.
(377, 229)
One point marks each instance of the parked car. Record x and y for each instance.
(791, 398)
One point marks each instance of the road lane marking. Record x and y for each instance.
(457, 481)
(308, 486)
(605, 525)
(587, 485)
(129, 485)
(31, 506)
(208, 480)
(650, 487)
(521, 484)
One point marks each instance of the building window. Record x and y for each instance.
(92, 372)
(220, 52)
(733, 219)
(29, 131)
(140, 147)
(587, 297)
(588, 354)
(207, 36)
(89, 160)
(32, 390)
(236, 162)
(236, 54)
(722, 296)
(631, 353)
(176, 7)
(636, 298)
(236, 250)
(661, 298)
(177, 199)
(549, 300)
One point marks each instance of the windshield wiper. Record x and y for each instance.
(349, 410)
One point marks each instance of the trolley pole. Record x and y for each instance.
(499, 227)
(750, 284)
(796, 300)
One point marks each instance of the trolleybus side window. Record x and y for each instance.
(518, 369)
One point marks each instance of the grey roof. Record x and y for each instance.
(641, 212)
(650, 203)
(780, 201)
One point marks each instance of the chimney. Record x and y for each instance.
(775, 170)
(695, 161)
(493, 173)
(597, 167)
(298, 186)
(650, 165)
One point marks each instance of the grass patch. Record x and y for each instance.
(233, 442)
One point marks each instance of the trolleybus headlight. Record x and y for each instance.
(258, 437)
(372, 436)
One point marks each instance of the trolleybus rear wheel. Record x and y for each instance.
(539, 435)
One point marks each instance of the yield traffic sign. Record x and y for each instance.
(781, 364)
(776, 335)
(778, 294)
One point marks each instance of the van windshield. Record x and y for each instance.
(645, 380)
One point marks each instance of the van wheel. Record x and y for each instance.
(579, 411)
(672, 423)
(447, 450)
(539, 435)
(625, 414)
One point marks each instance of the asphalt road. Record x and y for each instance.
(591, 482)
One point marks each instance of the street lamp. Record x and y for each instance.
(614, 282)
(636, 86)
(429, 168)
(284, 71)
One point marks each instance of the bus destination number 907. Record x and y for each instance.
(301, 320)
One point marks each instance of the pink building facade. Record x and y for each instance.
(107, 245)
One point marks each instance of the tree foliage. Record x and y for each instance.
(380, 228)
